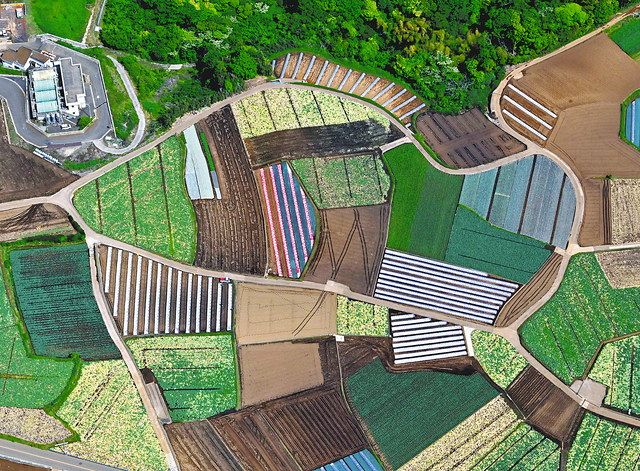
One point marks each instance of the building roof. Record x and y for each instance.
(39, 57)
(44, 85)
(22, 56)
(72, 82)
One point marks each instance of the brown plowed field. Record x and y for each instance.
(350, 247)
(301, 432)
(586, 85)
(37, 219)
(468, 139)
(6, 465)
(319, 141)
(25, 175)
(271, 314)
(544, 405)
(530, 293)
(231, 235)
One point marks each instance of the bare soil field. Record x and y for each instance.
(304, 431)
(6, 465)
(622, 268)
(544, 406)
(585, 85)
(527, 295)
(320, 141)
(271, 314)
(36, 219)
(273, 370)
(468, 139)
(625, 211)
(350, 247)
(25, 175)
(231, 234)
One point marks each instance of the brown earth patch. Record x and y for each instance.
(622, 268)
(6, 465)
(530, 293)
(33, 220)
(231, 234)
(304, 431)
(271, 314)
(544, 405)
(468, 139)
(350, 247)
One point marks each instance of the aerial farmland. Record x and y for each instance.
(417, 251)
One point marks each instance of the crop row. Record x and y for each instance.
(359, 318)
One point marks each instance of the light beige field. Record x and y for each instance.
(622, 268)
(273, 370)
(271, 314)
(625, 211)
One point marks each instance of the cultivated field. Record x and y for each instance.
(55, 297)
(32, 425)
(231, 233)
(498, 358)
(601, 444)
(271, 314)
(304, 431)
(626, 34)
(344, 181)
(106, 411)
(291, 220)
(566, 332)
(395, 414)
(468, 139)
(34, 221)
(617, 367)
(533, 197)
(196, 374)
(363, 460)
(625, 211)
(144, 202)
(151, 298)
(358, 318)
(424, 202)
(273, 370)
(622, 268)
(350, 246)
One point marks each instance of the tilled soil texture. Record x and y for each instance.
(622, 268)
(273, 370)
(150, 298)
(468, 139)
(231, 234)
(6, 465)
(350, 247)
(585, 86)
(624, 199)
(545, 406)
(25, 175)
(38, 219)
(527, 295)
(320, 141)
(271, 314)
(304, 431)
(356, 352)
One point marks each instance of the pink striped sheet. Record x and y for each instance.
(298, 218)
(270, 216)
(305, 204)
(286, 207)
(275, 195)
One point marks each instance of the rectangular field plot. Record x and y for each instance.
(498, 358)
(359, 318)
(566, 332)
(344, 181)
(532, 196)
(151, 298)
(403, 401)
(361, 461)
(197, 374)
(618, 367)
(53, 288)
(626, 34)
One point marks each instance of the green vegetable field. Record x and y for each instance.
(407, 412)
(55, 296)
(498, 357)
(424, 203)
(585, 311)
(617, 366)
(359, 318)
(476, 243)
(626, 34)
(197, 373)
(144, 202)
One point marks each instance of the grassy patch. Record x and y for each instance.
(567, 332)
(408, 412)
(8, 71)
(197, 373)
(358, 318)
(498, 357)
(207, 150)
(87, 165)
(144, 202)
(64, 18)
(423, 204)
(476, 243)
(626, 34)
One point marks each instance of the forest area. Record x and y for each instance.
(450, 52)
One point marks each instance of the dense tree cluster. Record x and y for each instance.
(451, 52)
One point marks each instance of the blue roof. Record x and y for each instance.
(361, 461)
